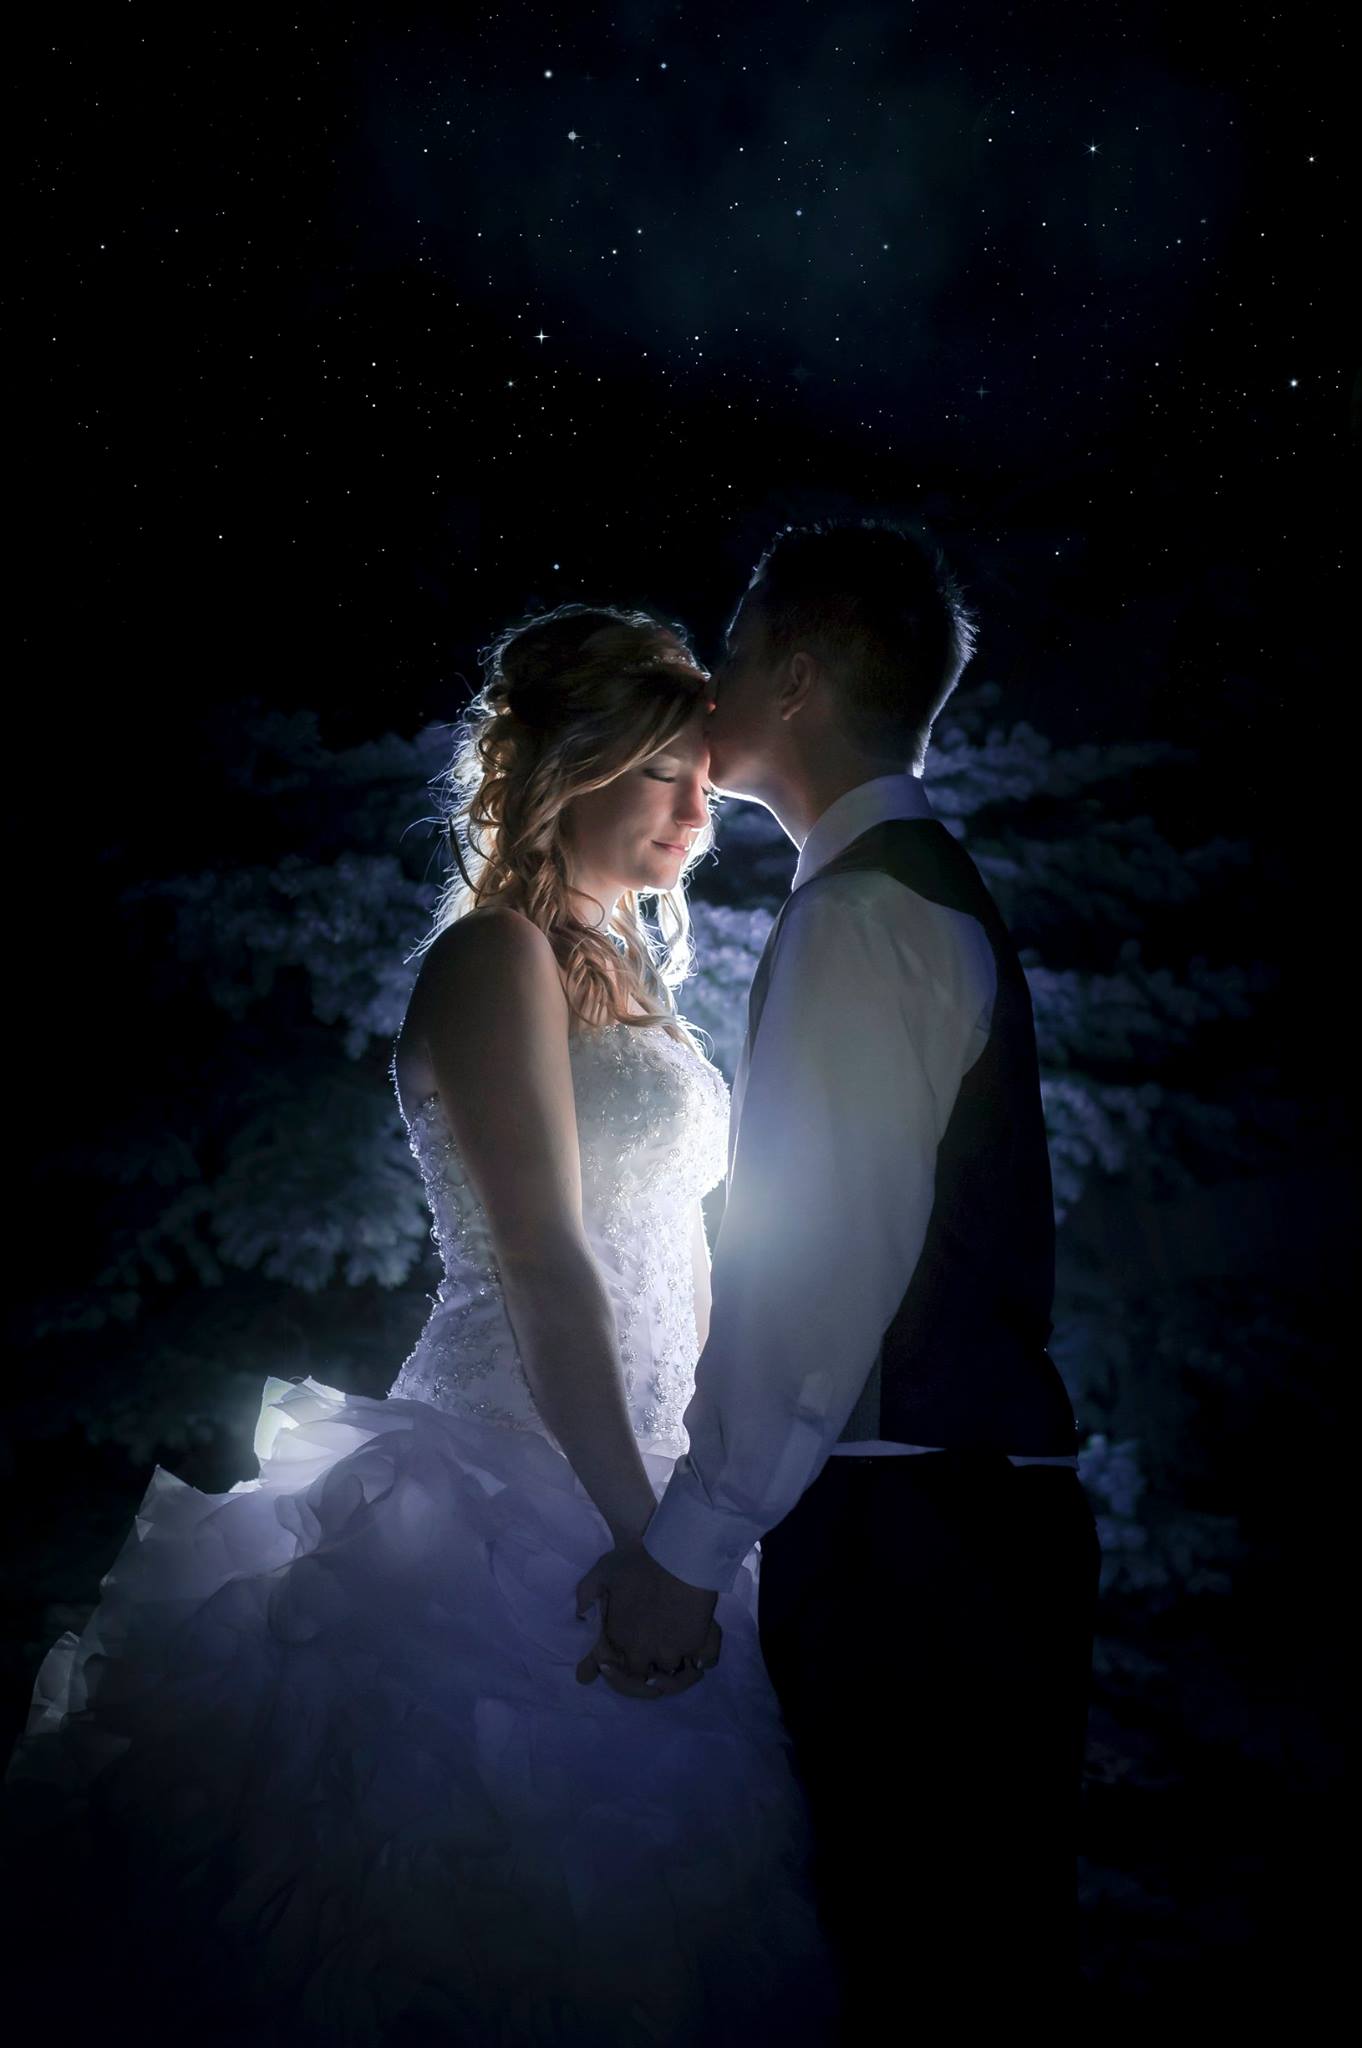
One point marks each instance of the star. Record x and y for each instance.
(541, 336)
(572, 134)
(1092, 149)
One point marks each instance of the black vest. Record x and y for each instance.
(963, 1364)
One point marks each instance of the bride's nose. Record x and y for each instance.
(691, 808)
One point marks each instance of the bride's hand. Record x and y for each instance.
(658, 1634)
(606, 1660)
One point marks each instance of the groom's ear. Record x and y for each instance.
(797, 683)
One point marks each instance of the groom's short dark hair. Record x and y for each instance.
(880, 607)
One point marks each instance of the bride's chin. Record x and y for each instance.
(666, 875)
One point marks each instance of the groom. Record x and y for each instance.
(875, 1403)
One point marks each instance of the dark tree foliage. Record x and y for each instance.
(254, 1208)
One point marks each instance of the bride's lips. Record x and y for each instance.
(668, 847)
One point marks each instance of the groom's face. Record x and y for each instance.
(742, 686)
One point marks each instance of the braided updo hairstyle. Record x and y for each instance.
(571, 698)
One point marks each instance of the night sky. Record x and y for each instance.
(346, 336)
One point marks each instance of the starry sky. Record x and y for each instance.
(346, 335)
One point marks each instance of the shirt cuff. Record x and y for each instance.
(694, 1541)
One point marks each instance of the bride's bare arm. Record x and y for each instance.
(490, 1014)
(699, 1253)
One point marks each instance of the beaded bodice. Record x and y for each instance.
(652, 1122)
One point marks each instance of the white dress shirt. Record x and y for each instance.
(878, 1003)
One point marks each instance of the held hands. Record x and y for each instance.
(658, 1635)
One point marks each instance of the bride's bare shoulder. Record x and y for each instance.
(493, 929)
(489, 979)
(493, 957)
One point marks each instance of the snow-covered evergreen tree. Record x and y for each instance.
(258, 1210)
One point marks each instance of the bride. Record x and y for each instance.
(321, 1763)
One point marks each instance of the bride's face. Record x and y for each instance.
(635, 832)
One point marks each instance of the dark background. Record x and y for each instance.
(1066, 283)
(344, 338)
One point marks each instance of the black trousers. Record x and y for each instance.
(927, 1623)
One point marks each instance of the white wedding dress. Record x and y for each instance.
(319, 1764)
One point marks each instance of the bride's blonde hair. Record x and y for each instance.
(571, 699)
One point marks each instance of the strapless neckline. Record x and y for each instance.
(590, 1037)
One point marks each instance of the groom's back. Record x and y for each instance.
(963, 1362)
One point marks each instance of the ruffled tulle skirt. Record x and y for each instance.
(319, 1767)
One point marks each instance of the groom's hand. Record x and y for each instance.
(652, 1626)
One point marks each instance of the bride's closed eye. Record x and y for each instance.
(710, 795)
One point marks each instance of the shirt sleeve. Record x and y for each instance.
(857, 1062)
